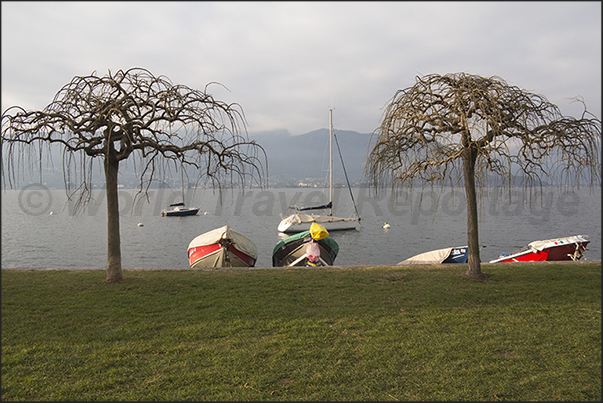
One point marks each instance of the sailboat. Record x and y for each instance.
(298, 221)
(179, 209)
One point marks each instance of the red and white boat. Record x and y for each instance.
(222, 247)
(568, 248)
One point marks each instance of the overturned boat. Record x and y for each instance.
(557, 249)
(457, 254)
(222, 247)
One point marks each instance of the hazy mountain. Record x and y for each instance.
(291, 159)
(306, 156)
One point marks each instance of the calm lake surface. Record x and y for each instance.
(40, 228)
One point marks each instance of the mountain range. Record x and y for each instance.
(291, 160)
(305, 157)
(301, 160)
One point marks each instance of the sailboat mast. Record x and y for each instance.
(182, 181)
(331, 159)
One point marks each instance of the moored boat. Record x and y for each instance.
(222, 247)
(557, 249)
(179, 210)
(457, 254)
(300, 219)
(297, 222)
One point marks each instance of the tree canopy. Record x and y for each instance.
(145, 118)
(132, 115)
(461, 129)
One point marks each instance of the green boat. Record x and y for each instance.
(291, 251)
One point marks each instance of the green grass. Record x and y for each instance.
(530, 332)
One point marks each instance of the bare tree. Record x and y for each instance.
(459, 128)
(138, 116)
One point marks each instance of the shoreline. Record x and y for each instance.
(423, 266)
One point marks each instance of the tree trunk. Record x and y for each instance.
(114, 271)
(474, 268)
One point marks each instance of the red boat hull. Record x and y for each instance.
(556, 253)
(217, 255)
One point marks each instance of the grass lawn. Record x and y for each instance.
(530, 332)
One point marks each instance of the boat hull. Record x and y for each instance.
(560, 249)
(218, 255)
(180, 212)
(456, 254)
(222, 247)
(291, 251)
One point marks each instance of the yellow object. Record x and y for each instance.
(318, 232)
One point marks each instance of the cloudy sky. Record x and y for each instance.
(287, 63)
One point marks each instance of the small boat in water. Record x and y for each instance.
(222, 247)
(457, 254)
(179, 210)
(558, 249)
(297, 250)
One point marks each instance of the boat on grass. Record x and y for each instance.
(557, 249)
(299, 219)
(457, 254)
(306, 249)
(222, 247)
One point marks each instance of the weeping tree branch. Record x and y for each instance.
(134, 115)
(143, 114)
(446, 125)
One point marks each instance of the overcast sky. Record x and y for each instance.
(287, 63)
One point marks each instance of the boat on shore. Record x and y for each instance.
(293, 250)
(557, 249)
(457, 254)
(222, 247)
(299, 219)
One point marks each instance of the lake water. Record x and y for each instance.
(41, 230)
